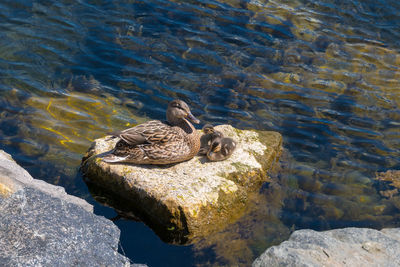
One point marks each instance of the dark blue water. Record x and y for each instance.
(325, 74)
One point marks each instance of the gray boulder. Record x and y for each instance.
(13, 178)
(41, 225)
(188, 200)
(340, 247)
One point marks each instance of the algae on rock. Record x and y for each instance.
(190, 200)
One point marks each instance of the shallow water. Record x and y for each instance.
(325, 74)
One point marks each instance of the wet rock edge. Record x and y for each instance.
(40, 224)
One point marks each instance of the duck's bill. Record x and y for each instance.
(193, 118)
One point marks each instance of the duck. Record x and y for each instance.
(156, 142)
(206, 139)
(221, 148)
(214, 145)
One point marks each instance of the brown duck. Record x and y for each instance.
(214, 145)
(221, 148)
(156, 142)
(206, 139)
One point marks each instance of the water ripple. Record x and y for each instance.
(326, 74)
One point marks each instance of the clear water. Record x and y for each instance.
(325, 74)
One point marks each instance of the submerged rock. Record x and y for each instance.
(388, 183)
(340, 247)
(41, 225)
(189, 200)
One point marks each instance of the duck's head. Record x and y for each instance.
(209, 130)
(216, 145)
(178, 110)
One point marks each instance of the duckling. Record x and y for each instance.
(206, 139)
(155, 142)
(221, 148)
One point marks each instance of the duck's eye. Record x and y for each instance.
(178, 106)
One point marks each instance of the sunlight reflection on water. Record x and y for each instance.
(325, 75)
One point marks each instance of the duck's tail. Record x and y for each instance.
(111, 158)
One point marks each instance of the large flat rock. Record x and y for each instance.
(340, 247)
(13, 178)
(41, 225)
(191, 199)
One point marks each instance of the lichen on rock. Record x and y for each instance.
(189, 200)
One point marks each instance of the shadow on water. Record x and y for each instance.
(324, 73)
(129, 209)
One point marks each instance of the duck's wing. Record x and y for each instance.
(150, 132)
